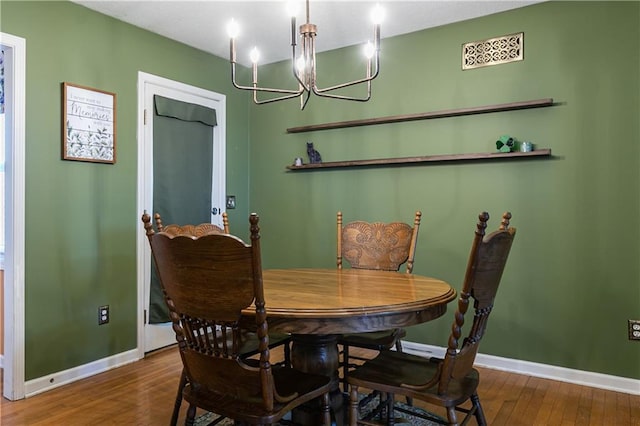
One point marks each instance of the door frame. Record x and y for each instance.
(14, 321)
(145, 175)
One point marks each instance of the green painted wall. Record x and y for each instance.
(573, 278)
(82, 218)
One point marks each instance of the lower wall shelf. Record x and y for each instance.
(424, 159)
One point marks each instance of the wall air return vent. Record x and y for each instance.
(493, 51)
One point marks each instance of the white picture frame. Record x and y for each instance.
(89, 124)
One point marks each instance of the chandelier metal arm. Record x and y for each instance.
(288, 93)
(268, 101)
(324, 92)
(318, 91)
(254, 86)
(294, 93)
(304, 98)
(344, 97)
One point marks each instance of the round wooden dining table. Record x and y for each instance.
(317, 305)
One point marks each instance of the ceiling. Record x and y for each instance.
(266, 24)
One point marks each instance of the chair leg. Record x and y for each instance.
(287, 355)
(390, 408)
(451, 416)
(368, 398)
(345, 368)
(191, 415)
(326, 409)
(353, 406)
(399, 349)
(475, 400)
(178, 403)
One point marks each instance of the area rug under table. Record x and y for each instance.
(402, 418)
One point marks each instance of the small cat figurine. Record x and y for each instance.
(314, 156)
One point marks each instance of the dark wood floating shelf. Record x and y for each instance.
(424, 159)
(538, 103)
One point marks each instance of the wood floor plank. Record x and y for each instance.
(559, 404)
(623, 409)
(546, 408)
(511, 392)
(596, 416)
(570, 412)
(610, 407)
(583, 415)
(540, 388)
(492, 397)
(635, 410)
(524, 398)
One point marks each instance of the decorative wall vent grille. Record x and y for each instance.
(493, 51)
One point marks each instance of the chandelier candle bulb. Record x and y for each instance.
(254, 55)
(233, 29)
(300, 64)
(377, 14)
(292, 8)
(369, 50)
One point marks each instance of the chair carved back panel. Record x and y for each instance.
(377, 245)
(193, 230)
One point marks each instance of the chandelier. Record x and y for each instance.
(304, 65)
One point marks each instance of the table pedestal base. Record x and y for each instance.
(318, 354)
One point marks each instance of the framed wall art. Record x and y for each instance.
(88, 124)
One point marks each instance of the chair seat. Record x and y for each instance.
(375, 340)
(249, 409)
(390, 370)
(250, 342)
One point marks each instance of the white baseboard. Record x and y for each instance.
(52, 381)
(586, 378)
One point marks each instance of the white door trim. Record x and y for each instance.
(145, 174)
(13, 362)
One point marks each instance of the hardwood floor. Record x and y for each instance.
(143, 393)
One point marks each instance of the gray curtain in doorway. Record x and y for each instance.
(182, 174)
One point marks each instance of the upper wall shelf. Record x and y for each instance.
(424, 159)
(538, 103)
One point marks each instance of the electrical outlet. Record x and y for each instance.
(634, 329)
(103, 314)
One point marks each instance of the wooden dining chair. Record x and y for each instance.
(377, 246)
(244, 342)
(452, 380)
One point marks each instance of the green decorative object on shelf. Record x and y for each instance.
(506, 143)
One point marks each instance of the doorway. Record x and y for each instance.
(14, 69)
(154, 336)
